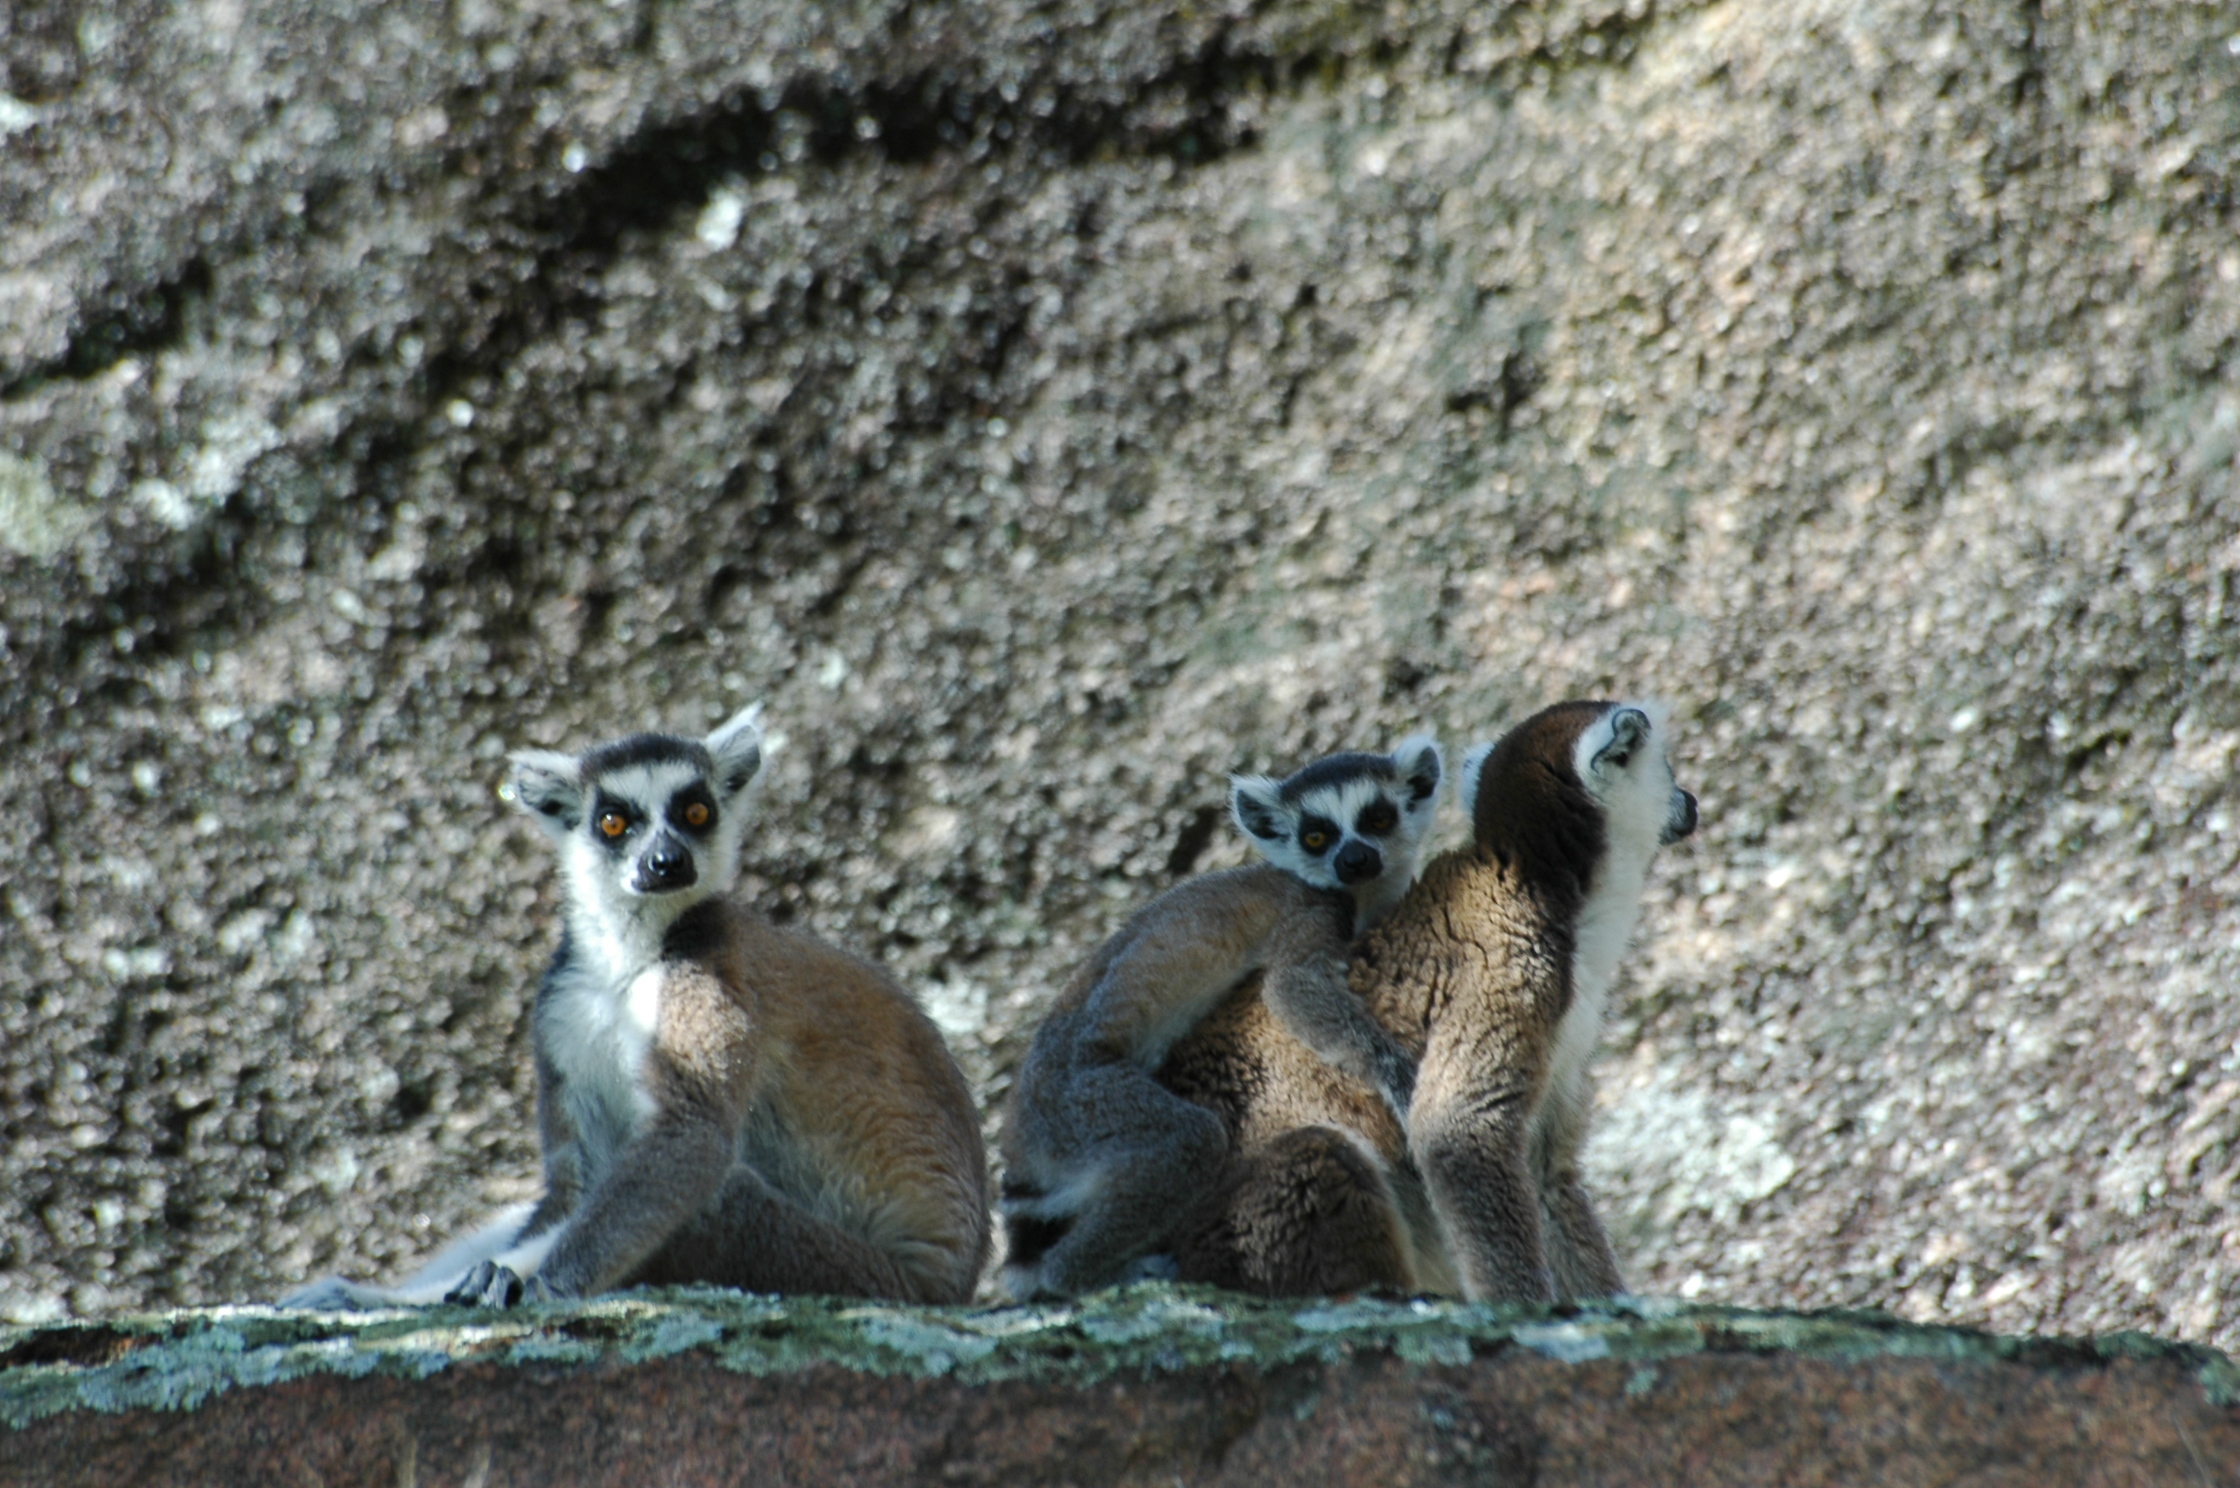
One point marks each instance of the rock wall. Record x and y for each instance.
(1049, 409)
(1149, 1386)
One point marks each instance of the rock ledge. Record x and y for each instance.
(1152, 1384)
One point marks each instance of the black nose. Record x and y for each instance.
(667, 866)
(1682, 821)
(1357, 861)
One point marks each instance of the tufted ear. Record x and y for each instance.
(1256, 803)
(1421, 768)
(1473, 766)
(1629, 728)
(549, 787)
(736, 748)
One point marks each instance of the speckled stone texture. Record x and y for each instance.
(1049, 408)
(1153, 1386)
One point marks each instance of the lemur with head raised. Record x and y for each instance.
(1099, 1159)
(1495, 970)
(720, 1100)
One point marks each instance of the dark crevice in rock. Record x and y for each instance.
(669, 170)
(1608, 40)
(548, 251)
(133, 322)
(41, 59)
(89, 1347)
(2027, 88)
(1191, 842)
(173, 594)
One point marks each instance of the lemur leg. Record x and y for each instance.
(697, 1079)
(1140, 1155)
(759, 1240)
(1578, 1250)
(1307, 1214)
(429, 1283)
(666, 1174)
(1473, 1155)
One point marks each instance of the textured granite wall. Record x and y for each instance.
(1049, 408)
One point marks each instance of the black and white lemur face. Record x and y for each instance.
(1348, 821)
(647, 825)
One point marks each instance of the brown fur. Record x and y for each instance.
(1471, 971)
(1315, 1182)
(1099, 1159)
(1473, 975)
(810, 1132)
(1412, 971)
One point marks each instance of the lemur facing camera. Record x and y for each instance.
(1494, 970)
(720, 1100)
(1100, 1160)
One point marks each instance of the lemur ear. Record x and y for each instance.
(1629, 727)
(736, 747)
(549, 787)
(1421, 767)
(1257, 804)
(1473, 766)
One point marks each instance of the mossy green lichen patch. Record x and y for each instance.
(177, 1360)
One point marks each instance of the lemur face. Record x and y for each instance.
(1611, 753)
(646, 823)
(1620, 758)
(1350, 821)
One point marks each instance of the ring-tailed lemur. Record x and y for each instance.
(1496, 969)
(719, 1099)
(1098, 1158)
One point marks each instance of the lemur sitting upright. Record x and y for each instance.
(1502, 969)
(1099, 1159)
(720, 1100)
(1494, 969)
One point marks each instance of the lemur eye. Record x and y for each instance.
(696, 815)
(613, 824)
(1314, 841)
(1380, 818)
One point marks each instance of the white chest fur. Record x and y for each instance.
(1605, 924)
(595, 1028)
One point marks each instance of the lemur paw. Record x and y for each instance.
(489, 1285)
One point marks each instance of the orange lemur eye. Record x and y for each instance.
(696, 815)
(614, 824)
(1314, 841)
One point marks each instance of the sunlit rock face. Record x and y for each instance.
(1049, 412)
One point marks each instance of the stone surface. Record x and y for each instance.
(1049, 409)
(1153, 1385)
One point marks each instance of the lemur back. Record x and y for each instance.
(1099, 1158)
(719, 1099)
